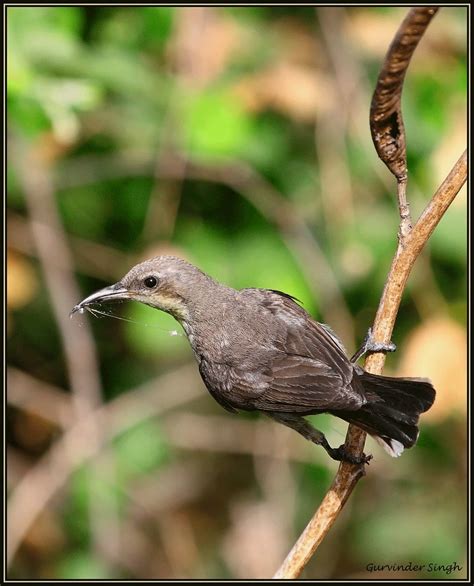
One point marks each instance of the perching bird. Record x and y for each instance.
(259, 350)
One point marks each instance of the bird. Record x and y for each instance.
(260, 350)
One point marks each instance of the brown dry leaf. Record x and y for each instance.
(22, 283)
(298, 91)
(437, 349)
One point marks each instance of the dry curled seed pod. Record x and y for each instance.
(386, 121)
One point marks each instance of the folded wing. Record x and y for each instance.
(309, 371)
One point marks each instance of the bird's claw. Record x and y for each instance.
(343, 455)
(370, 345)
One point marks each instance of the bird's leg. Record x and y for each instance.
(312, 434)
(370, 345)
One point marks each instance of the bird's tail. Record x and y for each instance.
(393, 409)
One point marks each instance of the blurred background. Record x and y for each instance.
(237, 138)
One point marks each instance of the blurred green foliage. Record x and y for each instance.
(188, 130)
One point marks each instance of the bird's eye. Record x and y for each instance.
(150, 282)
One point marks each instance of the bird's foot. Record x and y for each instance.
(341, 454)
(370, 345)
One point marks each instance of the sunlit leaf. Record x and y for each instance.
(214, 124)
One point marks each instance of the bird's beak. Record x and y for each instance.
(111, 293)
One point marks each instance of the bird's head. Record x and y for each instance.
(164, 282)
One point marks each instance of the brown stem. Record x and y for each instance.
(404, 209)
(406, 256)
(347, 474)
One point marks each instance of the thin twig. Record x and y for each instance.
(347, 474)
(407, 255)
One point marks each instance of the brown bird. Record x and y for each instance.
(259, 350)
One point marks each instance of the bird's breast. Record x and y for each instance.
(216, 341)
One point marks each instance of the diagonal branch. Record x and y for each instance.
(389, 138)
(347, 474)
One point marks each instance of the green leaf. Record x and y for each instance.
(214, 125)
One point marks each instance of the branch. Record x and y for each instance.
(348, 475)
(389, 139)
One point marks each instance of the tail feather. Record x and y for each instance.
(392, 410)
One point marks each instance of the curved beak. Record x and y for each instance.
(111, 293)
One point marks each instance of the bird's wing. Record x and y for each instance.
(309, 370)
